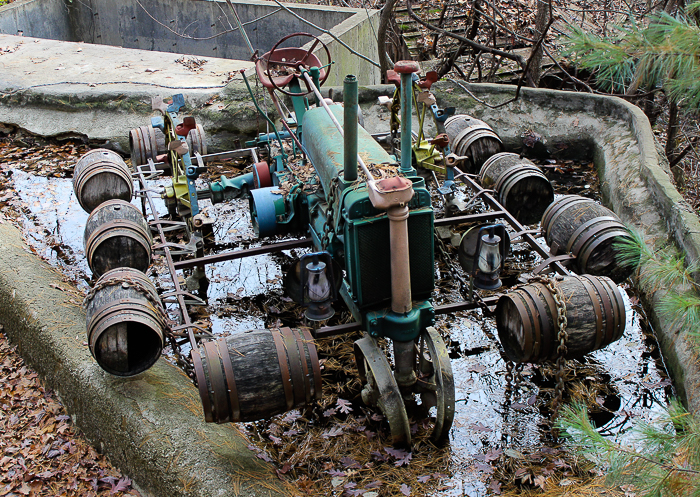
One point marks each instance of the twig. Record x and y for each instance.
(684, 152)
(325, 31)
(207, 37)
(477, 46)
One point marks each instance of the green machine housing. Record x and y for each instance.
(361, 241)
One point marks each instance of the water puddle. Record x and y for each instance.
(499, 421)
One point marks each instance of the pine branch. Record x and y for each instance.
(664, 466)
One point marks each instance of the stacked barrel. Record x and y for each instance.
(529, 318)
(244, 377)
(125, 318)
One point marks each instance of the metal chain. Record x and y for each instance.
(136, 285)
(562, 339)
(509, 382)
(329, 224)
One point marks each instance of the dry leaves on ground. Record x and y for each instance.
(41, 453)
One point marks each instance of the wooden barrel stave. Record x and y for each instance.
(522, 187)
(147, 142)
(125, 322)
(257, 374)
(101, 175)
(117, 235)
(594, 310)
(472, 138)
(589, 231)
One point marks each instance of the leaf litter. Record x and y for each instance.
(41, 452)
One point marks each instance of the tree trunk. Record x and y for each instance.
(534, 71)
(384, 21)
(671, 133)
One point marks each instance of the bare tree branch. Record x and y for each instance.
(476, 46)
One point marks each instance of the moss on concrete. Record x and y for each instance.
(151, 426)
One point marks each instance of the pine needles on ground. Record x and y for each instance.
(664, 461)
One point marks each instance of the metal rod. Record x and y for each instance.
(406, 111)
(350, 125)
(184, 316)
(341, 329)
(240, 28)
(495, 204)
(334, 120)
(238, 254)
(469, 218)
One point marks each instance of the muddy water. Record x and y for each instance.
(622, 383)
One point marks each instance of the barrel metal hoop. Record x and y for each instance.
(217, 382)
(596, 301)
(527, 328)
(462, 148)
(585, 226)
(308, 382)
(234, 404)
(315, 364)
(511, 180)
(130, 308)
(553, 330)
(284, 368)
(296, 374)
(202, 385)
(595, 242)
(136, 145)
(114, 229)
(95, 331)
(612, 318)
(557, 208)
(593, 227)
(490, 161)
(539, 321)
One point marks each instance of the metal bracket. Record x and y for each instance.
(565, 259)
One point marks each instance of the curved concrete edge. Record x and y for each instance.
(105, 115)
(635, 181)
(151, 426)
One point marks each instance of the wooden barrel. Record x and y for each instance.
(147, 142)
(522, 187)
(586, 229)
(125, 322)
(257, 374)
(117, 235)
(472, 138)
(527, 321)
(101, 175)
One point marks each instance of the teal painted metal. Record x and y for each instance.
(226, 189)
(406, 168)
(400, 327)
(323, 145)
(350, 126)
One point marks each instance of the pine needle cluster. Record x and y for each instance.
(662, 461)
(660, 50)
(663, 269)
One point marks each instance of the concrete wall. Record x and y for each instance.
(48, 17)
(127, 24)
(193, 27)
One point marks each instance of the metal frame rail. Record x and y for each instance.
(186, 329)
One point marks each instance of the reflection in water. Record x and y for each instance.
(623, 379)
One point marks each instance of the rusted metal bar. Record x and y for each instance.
(185, 322)
(341, 329)
(470, 218)
(494, 204)
(238, 254)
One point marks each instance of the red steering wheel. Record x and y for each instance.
(292, 59)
